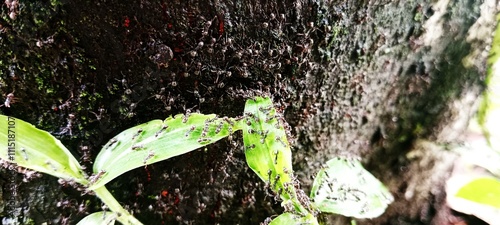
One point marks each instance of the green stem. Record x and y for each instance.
(122, 215)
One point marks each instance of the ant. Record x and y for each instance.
(9, 100)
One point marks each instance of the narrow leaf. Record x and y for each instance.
(98, 218)
(32, 148)
(267, 150)
(345, 187)
(155, 141)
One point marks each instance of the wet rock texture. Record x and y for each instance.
(358, 78)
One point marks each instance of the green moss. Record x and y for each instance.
(418, 17)
(419, 129)
(29, 221)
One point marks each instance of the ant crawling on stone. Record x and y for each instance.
(69, 125)
(9, 100)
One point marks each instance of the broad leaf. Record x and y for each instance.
(471, 192)
(294, 219)
(155, 141)
(98, 218)
(345, 187)
(267, 150)
(29, 147)
(484, 190)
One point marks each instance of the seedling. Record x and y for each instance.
(267, 153)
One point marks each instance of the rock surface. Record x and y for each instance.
(358, 78)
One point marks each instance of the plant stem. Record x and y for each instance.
(122, 215)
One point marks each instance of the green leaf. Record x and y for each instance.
(345, 187)
(155, 141)
(98, 218)
(266, 145)
(294, 219)
(267, 150)
(485, 190)
(285, 218)
(35, 149)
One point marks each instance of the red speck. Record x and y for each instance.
(164, 193)
(178, 50)
(169, 26)
(221, 24)
(216, 207)
(126, 22)
(148, 173)
(164, 11)
(177, 200)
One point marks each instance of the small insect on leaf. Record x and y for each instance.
(164, 127)
(345, 187)
(158, 140)
(204, 140)
(25, 155)
(96, 176)
(137, 147)
(150, 155)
